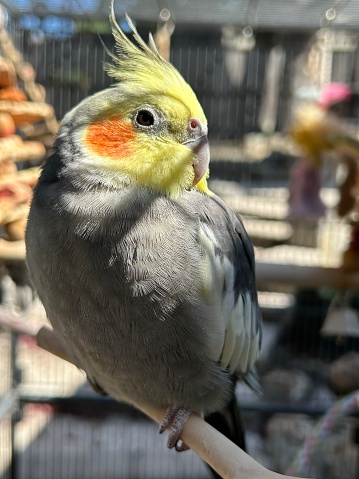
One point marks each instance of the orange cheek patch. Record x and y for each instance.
(111, 137)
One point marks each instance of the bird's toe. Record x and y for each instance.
(175, 419)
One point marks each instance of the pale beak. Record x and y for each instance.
(200, 148)
(197, 141)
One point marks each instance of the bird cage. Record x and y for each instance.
(251, 64)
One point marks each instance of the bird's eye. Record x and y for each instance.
(145, 118)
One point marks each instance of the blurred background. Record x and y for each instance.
(279, 83)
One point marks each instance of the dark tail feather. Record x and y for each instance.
(228, 421)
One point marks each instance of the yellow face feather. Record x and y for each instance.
(146, 135)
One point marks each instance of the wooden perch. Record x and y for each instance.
(220, 453)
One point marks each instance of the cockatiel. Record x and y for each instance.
(146, 275)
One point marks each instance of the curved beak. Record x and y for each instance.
(200, 148)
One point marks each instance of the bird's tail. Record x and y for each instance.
(228, 421)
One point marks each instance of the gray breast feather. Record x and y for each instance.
(155, 296)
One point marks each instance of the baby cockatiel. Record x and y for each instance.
(145, 274)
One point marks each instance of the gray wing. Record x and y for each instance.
(229, 259)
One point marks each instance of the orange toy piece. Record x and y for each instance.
(7, 125)
(7, 73)
(12, 93)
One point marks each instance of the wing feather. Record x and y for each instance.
(229, 345)
(229, 255)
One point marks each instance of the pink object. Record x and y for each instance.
(334, 93)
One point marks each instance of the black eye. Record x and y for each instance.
(145, 118)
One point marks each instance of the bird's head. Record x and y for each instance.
(148, 130)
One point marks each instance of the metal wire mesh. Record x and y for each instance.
(248, 96)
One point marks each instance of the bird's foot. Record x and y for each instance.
(175, 418)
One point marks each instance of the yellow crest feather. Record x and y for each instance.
(141, 66)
